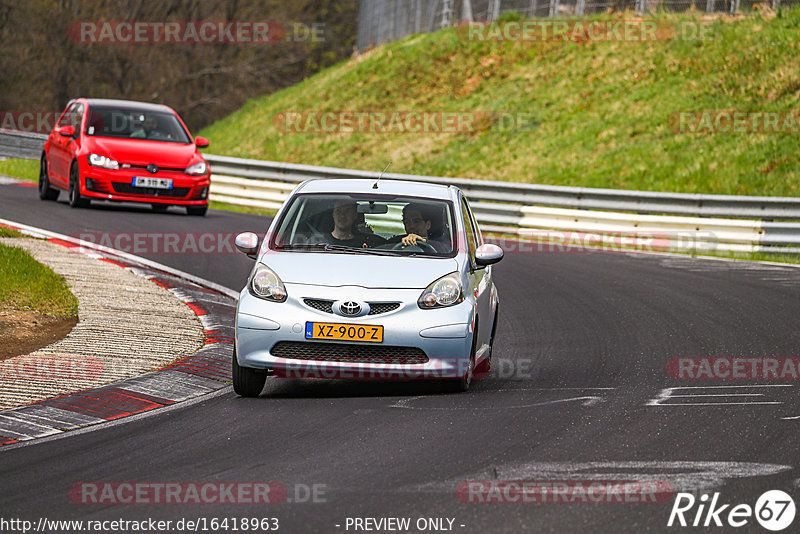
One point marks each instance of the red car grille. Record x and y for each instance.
(128, 189)
(132, 166)
(97, 186)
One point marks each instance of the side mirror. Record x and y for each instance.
(201, 142)
(488, 254)
(247, 243)
(66, 131)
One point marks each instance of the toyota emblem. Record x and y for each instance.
(350, 308)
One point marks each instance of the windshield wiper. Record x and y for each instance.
(340, 248)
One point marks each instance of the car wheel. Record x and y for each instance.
(485, 368)
(494, 332)
(159, 208)
(463, 383)
(45, 191)
(75, 198)
(246, 382)
(197, 210)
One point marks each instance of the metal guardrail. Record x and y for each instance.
(582, 198)
(537, 212)
(686, 221)
(26, 145)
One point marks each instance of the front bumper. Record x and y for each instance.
(444, 335)
(106, 184)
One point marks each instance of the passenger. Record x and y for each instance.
(417, 222)
(345, 232)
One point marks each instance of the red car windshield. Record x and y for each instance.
(135, 124)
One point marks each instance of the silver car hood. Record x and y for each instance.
(334, 269)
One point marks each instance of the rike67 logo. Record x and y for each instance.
(774, 510)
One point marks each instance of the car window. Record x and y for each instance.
(470, 231)
(370, 223)
(476, 228)
(69, 117)
(77, 117)
(120, 122)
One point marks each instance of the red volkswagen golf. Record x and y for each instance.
(124, 151)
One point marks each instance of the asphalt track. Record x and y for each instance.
(580, 393)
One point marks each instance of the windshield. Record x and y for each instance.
(135, 124)
(340, 223)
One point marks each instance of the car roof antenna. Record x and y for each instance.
(375, 185)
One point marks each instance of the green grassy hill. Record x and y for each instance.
(600, 111)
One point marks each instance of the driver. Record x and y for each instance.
(345, 232)
(417, 224)
(148, 129)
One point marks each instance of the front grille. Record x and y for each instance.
(376, 308)
(319, 304)
(96, 186)
(128, 189)
(132, 166)
(347, 353)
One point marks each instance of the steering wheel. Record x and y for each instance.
(424, 246)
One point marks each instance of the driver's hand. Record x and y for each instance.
(411, 239)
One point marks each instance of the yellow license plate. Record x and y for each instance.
(344, 332)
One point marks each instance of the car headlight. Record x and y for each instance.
(197, 168)
(267, 285)
(444, 292)
(102, 161)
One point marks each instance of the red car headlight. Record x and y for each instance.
(97, 160)
(197, 169)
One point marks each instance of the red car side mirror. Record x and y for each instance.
(201, 142)
(66, 131)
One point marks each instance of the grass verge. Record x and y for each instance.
(598, 113)
(21, 169)
(26, 284)
(5, 231)
(215, 205)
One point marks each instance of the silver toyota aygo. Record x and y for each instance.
(364, 279)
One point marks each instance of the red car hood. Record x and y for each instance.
(142, 152)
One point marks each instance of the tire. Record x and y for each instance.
(75, 198)
(462, 384)
(494, 331)
(46, 192)
(485, 368)
(246, 382)
(159, 208)
(197, 210)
